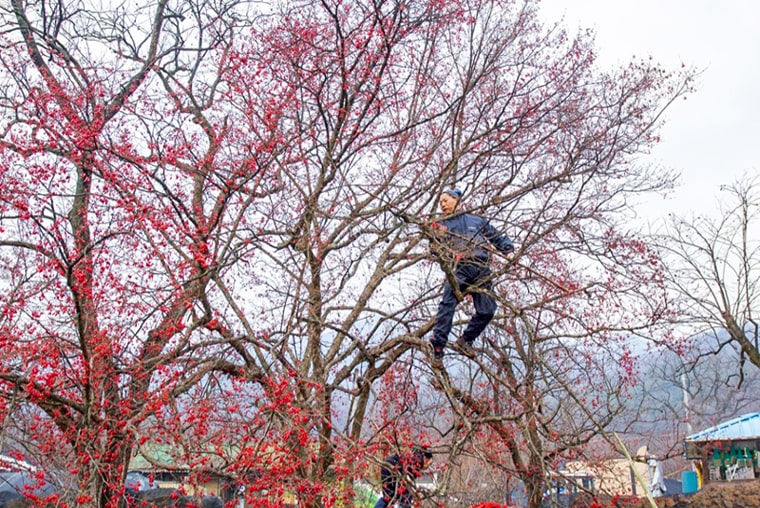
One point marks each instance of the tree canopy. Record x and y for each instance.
(214, 219)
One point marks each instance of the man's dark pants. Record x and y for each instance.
(469, 275)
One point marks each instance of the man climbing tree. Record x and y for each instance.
(462, 242)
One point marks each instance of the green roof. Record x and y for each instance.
(164, 457)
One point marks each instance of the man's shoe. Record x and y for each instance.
(436, 361)
(465, 348)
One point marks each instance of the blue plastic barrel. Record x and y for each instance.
(689, 482)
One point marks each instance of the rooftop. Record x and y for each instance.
(741, 427)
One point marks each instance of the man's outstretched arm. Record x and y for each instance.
(499, 240)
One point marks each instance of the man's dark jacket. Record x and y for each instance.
(468, 237)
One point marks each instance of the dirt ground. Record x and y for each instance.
(737, 494)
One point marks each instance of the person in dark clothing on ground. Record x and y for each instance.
(464, 241)
(397, 475)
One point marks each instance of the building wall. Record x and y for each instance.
(613, 477)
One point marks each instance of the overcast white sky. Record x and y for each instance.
(713, 137)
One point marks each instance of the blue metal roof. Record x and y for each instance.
(742, 427)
